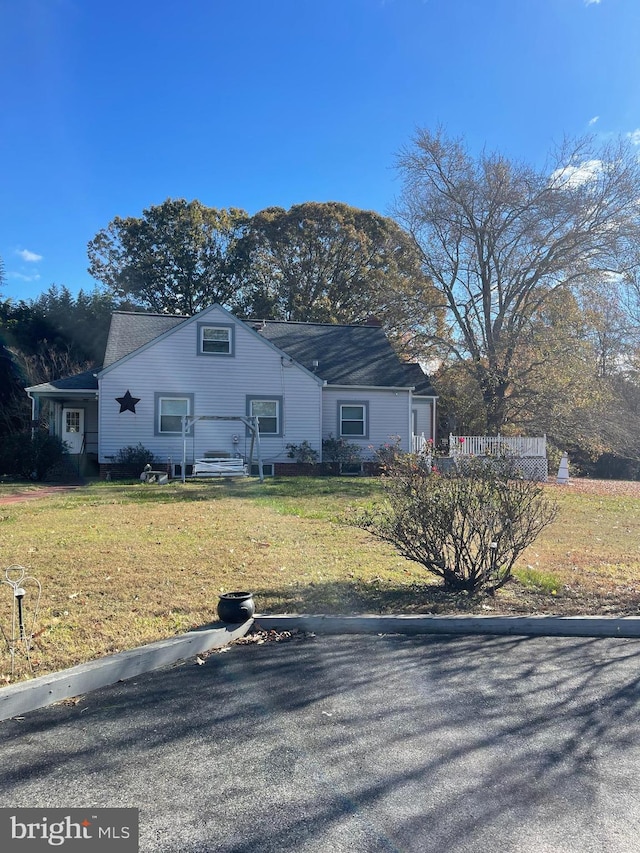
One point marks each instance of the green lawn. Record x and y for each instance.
(125, 564)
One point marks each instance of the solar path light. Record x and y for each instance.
(25, 594)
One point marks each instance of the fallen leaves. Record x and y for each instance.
(257, 636)
(585, 486)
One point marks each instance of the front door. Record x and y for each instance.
(73, 429)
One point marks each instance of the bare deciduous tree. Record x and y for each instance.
(498, 238)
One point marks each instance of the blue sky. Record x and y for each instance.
(107, 108)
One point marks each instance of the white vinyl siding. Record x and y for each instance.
(388, 415)
(423, 423)
(217, 386)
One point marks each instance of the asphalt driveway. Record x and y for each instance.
(355, 743)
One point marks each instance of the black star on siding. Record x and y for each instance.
(128, 403)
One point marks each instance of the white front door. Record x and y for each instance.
(73, 429)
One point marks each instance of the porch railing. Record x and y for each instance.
(497, 445)
(419, 444)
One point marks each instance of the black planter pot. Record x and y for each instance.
(236, 607)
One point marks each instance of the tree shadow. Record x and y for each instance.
(371, 596)
(223, 487)
(377, 743)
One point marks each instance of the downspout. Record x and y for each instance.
(411, 390)
(35, 412)
(96, 376)
(320, 419)
(433, 420)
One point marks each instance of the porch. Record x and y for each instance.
(530, 452)
(421, 445)
(497, 445)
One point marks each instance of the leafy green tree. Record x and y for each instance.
(52, 336)
(331, 263)
(14, 405)
(499, 239)
(79, 324)
(172, 259)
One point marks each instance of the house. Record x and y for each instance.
(305, 382)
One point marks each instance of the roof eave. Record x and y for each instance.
(62, 392)
(372, 387)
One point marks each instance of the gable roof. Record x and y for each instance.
(345, 355)
(131, 330)
(420, 380)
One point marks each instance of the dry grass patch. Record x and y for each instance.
(121, 565)
(10, 489)
(592, 550)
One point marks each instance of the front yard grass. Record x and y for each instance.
(126, 564)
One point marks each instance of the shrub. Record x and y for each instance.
(388, 453)
(31, 457)
(133, 458)
(468, 525)
(303, 453)
(610, 466)
(341, 451)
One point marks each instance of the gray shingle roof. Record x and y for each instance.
(86, 381)
(419, 380)
(129, 331)
(346, 355)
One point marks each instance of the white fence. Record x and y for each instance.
(419, 444)
(497, 445)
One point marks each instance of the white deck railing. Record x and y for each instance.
(419, 444)
(497, 445)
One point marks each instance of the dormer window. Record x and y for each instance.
(215, 340)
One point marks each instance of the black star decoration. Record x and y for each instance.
(128, 403)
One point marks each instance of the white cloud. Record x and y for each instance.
(29, 257)
(634, 136)
(576, 176)
(21, 277)
(591, 2)
(593, 120)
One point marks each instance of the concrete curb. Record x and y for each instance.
(26, 696)
(545, 626)
(17, 699)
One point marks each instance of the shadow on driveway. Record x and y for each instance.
(384, 743)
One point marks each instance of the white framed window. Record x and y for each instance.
(72, 420)
(353, 420)
(269, 414)
(215, 339)
(170, 409)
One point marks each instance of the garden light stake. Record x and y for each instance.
(22, 626)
